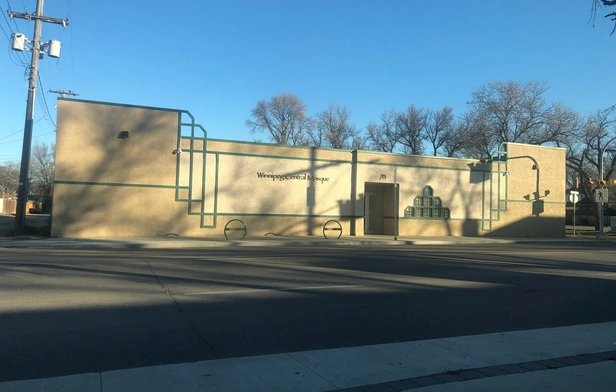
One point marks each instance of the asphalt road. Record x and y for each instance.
(74, 311)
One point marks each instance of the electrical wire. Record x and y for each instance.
(15, 133)
(43, 102)
(8, 3)
(15, 22)
(5, 34)
(70, 13)
(12, 54)
(20, 59)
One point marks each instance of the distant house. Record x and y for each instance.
(7, 205)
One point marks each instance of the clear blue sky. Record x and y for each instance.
(218, 58)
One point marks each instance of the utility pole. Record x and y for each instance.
(602, 182)
(22, 193)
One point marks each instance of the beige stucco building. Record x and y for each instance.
(119, 172)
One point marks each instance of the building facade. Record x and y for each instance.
(124, 170)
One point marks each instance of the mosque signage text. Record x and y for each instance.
(291, 177)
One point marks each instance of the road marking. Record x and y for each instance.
(280, 289)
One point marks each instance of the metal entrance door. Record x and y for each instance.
(373, 213)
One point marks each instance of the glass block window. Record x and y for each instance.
(427, 206)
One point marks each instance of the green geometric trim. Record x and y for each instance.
(422, 166)
(431, 219)
(281, 157)
(62, 182)
(265, 156)
(532, 201)
(286, 215)
(275, 145)
(203, 185)
(191, 170)
(345, 150)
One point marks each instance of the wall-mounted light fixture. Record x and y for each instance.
(123, 135)
(177, 151)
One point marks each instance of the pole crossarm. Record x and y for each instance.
(29, 17)
(607, 145)
(64, 93)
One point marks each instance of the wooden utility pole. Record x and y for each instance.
(22, 193)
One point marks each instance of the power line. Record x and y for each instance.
(4, 31)
(70, 11)
(23, 60)
(13, 18)
(16, 132)
(46, 108)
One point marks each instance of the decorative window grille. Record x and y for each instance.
(427, 206)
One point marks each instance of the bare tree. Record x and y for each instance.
(313, 137)
(360, 142)
(457, 138)
(479, 143)
(9, 179)
(561, 123)
(583, 152)
(284, 117)
(596, 4)
(514, 112)
(411, 129)
(384, 136)
(439, 127)
(333, 126)
(42, 170)
(600, 129)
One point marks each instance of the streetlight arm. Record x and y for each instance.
(601, 157)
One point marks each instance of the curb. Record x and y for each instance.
(198, 243)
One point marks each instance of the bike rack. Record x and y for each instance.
(332, 226)
(233, 226)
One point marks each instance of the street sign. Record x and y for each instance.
(601, 195)
(574, 196)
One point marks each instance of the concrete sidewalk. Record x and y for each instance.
(172, 242)
(576, 358)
